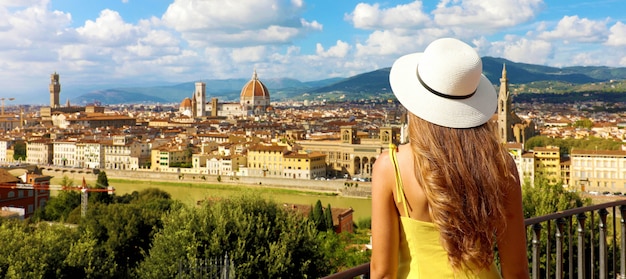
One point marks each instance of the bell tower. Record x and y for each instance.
(199, 96)
(348, 135)
(55, 90)
(505, 121)
(389, 134)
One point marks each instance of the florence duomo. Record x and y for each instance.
(254, 100)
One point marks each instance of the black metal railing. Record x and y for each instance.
(571, 247)
(208, 268)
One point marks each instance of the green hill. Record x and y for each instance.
(523, 78)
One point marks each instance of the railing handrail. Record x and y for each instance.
(571, 212)
(364, 269)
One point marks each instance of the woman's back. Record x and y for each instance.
(421, 254)
(417, 203)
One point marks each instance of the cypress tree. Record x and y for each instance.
(318, 216)
(328, 218)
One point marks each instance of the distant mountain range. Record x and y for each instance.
(370, 85)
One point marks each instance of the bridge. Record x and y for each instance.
(584, 242)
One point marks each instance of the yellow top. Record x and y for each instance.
(421, 252)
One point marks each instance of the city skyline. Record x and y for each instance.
(149, 42)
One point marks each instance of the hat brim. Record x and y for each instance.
(454, 113)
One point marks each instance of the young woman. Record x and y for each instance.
(442, 203)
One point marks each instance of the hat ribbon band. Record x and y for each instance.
(455, 97)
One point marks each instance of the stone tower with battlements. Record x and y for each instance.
(55, 90)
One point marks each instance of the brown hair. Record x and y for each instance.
(462, 172)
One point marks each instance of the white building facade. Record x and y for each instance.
(64, 154)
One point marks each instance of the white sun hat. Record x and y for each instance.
(444, 85)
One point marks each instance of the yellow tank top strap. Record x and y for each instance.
(401, 198)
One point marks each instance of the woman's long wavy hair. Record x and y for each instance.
(463, 173)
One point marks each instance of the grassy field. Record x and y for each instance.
(191, 193)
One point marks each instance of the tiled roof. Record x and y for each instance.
(7, 177)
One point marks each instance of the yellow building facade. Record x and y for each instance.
(166, 157)
(548, 163)
(266, 160)
(303, 165)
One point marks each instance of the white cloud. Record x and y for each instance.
(28, 27)
(22, 3)
(575, 29)
(486, 14)
(246, 22)
(584, 59)
(383, 43)
(617, 35)
(339, 50)
(366, 16)
(109, 29)
(521, 50)
(249, 54)
(314, 25)
(396, 42)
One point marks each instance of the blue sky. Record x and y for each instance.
(117, 43)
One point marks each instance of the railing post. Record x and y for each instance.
(548, 247)
(603, 257)
(570, 243)
(559, 248)
(581, 245)
(622, 251)
(592, 257)
(615, 247)
(536, 259)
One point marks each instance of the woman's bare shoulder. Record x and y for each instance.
(383, 160)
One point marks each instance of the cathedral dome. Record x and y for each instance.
(185, 104)
(254, 89)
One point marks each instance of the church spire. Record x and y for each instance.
(505, 107)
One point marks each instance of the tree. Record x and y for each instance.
(58, 208)
(339, 250)
(66, 181)
(102, 182)
(19, 151)
(122, 232)
(261, 238)
(35, 250)
(328, 218)
(318, 216)
(583, 123)
(566, 145)
(544, 198)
